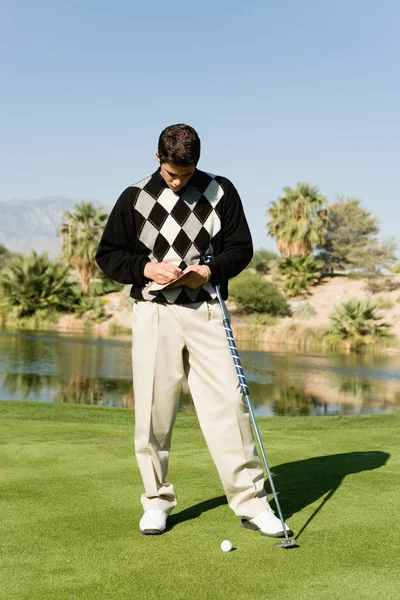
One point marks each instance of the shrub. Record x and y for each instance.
(300, 273)
(34, 283)
(261, 261)
(4, 256)
(304, 310)
(256, 295)
(91, 308)
(302, 337)
(107, 285)
(376, 284)
(355, 324)
(35, 289)
(263, 319)
(99, 287)
(383, 303)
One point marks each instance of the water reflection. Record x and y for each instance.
(51, 367)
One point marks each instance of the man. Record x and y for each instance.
(156, 238)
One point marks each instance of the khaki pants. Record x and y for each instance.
(169, 342)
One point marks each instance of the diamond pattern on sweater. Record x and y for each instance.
(202, 209)
(170, 229)
(214, 192)
(168, 199)
(144, 203)
(148, 234)
(161, 247)
(178, 228)
(192, 226)
(202, 239)
(181, 211)
(158, 215)
(191, 195)
(140, 184)
(182, 243)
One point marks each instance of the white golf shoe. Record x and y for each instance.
(267, 524)
(153, 522)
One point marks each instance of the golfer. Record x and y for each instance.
(156, 238)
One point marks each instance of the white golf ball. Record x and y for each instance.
(226, 546)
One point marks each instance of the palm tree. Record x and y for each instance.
(298, 220)
(81, 231)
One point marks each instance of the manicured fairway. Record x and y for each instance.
(69, 500)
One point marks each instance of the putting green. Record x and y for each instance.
(69, 496)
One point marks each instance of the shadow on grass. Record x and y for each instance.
(195, 511)
(303, 482)
(300, 483)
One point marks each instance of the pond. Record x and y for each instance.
(77, 368)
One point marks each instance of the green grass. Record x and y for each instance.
(69, 511)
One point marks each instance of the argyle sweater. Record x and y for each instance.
(150, 222)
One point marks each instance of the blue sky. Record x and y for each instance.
(279, 92)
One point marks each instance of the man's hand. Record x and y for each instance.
(162, 272)
(195, 276)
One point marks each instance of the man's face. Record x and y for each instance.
(176, 177)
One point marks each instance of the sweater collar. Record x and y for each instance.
(160, 179)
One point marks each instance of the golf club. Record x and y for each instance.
(284, 543)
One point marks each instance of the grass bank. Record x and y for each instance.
(306, 338)
(70, 510)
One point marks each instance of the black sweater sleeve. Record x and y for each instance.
(237, 246)
(115, 254)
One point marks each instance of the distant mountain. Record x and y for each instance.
(27, 225)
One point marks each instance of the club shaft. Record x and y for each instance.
(264, 456)
(245, 391)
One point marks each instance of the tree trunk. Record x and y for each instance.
(85, 277)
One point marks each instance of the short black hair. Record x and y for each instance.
(179, 145)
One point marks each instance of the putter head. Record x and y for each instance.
(286, 543)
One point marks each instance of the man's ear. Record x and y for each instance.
(158, 157)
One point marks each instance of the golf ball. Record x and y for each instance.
(226, 546)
